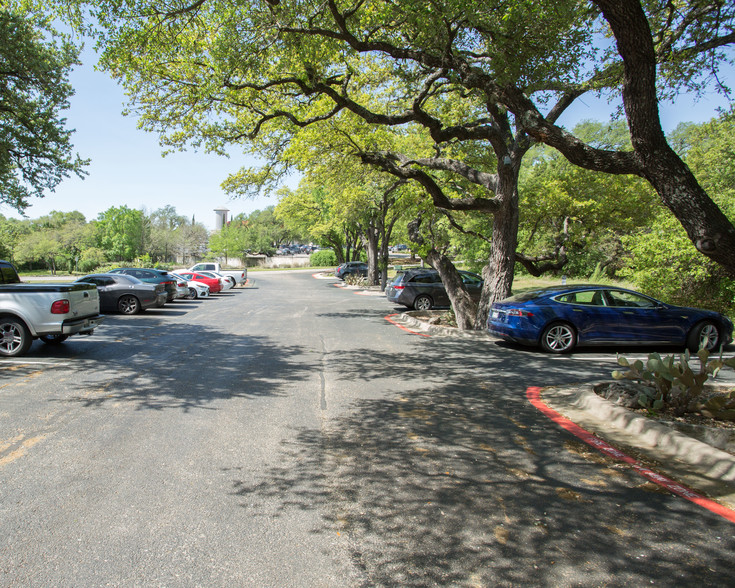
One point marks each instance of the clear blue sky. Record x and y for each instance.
(127, 167)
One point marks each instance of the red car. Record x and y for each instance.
(213, 283)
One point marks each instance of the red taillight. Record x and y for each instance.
(60, 307)
(398, 287)
(519, 312)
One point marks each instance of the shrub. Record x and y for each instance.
(666, 265)
(324, 258)
(670, 385)
(355, 280)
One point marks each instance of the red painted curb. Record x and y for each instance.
(391, 321)
(534, 397)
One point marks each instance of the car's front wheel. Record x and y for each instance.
(128, 305)
(192, 294)
(558, 338)
(704, 335)
(53, 339)
(423, 302)
(15, 338)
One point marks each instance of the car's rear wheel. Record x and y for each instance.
(53, 339)
(128, 304)
(15, 338)
(704, 335)
(558, 338)
(423, 302)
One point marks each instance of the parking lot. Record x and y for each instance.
(287, 434)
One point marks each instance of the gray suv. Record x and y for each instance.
(422, 289)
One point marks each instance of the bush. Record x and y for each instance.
(324, 258)
(666, 265)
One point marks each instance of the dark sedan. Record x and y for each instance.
(152, 276)
(561, 318)
(125, 294)
(422, 288)
(351, 268)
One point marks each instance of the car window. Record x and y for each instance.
(629, 299)
(588, 297)
(525, 296)
(399, 277)
(426, 279)
(471, 279)
(9, 275)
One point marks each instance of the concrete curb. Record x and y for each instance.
(407, 320)
(699, 465)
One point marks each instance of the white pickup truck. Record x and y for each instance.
(50, 312)
(240, 275)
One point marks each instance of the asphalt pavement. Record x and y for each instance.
(696, 464)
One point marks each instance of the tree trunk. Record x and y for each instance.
(499, 271)
(370, 242)
(465, 309)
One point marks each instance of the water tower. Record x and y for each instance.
(221, 219)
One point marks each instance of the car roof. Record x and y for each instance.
(548, 291)
(110, 275)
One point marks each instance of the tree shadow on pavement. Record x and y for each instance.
(173, 368)
(456, 480)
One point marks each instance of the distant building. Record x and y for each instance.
(221, 217)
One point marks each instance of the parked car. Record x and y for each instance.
(50, 312)
(240, 276)
(125, 294)
(560, 318)
(422, 288)
(349, 268)
(213, 283)
(194, 289)
(152, 276)
(227, 282)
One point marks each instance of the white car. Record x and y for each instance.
(194, 289)
(226, 282)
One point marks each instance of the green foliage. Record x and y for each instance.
(583, 213)
(35, 147)
(91, 259)
(671, 385)
(323, 258)
(121, 232)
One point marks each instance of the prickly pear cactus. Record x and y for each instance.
(674, 386)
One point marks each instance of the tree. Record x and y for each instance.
(120, 232)
(11, 231)
(42, 246)
(35, 147)
(314, 210)
(164, 234)
(192, 239)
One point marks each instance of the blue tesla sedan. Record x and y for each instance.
(560, 318)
